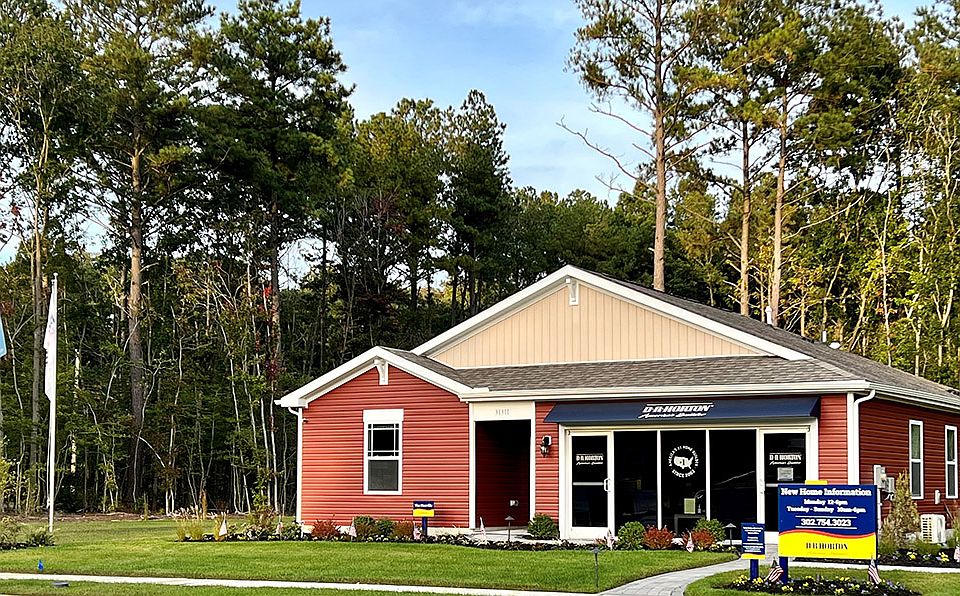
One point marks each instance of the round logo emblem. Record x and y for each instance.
(683, 461)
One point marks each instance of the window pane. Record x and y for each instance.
(951, 480)
(914, 441)
(915, 479)
(383, 474)
(951, 445)
(383, 439)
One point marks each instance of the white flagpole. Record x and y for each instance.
(50, 388)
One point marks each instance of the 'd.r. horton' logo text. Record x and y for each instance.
(675, 410)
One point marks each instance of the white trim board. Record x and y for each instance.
(355, 367)
(560, 277)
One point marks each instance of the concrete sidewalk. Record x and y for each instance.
(674, 584)
(246, 583)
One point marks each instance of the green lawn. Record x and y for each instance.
(928, 584)
(97, 589)
(148, 549)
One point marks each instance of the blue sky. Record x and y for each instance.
(513, 51)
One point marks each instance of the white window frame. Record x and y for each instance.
(951, 491)
(383, 417)
(912, 460)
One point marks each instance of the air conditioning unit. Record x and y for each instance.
(933, 528)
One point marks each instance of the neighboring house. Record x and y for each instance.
(600, 402)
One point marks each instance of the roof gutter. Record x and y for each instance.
(684, 391)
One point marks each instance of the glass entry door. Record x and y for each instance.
(591, 494)
(784, 462)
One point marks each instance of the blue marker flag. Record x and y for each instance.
(40, 565)
(3, 341)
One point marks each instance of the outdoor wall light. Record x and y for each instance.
(545, 443)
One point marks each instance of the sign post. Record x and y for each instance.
(828, 521)
(753, 546)
(423, 510)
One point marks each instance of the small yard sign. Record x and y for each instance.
(423, 509)
(752, 541)
(828, 521)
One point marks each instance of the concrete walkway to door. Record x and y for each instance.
(673, 584)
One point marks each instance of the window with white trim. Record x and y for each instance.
(950, 453)
(916, 459)
(382, 451)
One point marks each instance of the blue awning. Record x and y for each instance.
(727, 410)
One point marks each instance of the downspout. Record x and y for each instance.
(853, 437)
(298, 412)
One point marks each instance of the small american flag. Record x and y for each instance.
(610, 539)
(483, 531)
(956, 553)
(873, 573)
(416, 532)
(690, 545)
(776, 572)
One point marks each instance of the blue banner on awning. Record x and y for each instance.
(687, 411)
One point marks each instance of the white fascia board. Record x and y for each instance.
(520, 298)
(916, 398)
(299, 398)
(683, 391)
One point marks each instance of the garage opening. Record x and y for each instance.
(503, 472)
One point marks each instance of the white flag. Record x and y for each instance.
(50, 345)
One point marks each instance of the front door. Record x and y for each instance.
(784, 462)
(591, 495)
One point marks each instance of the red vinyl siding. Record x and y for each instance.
(547, 467)
(833, 438)
(435, 451)
(884, 440)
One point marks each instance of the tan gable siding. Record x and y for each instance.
(601, 327)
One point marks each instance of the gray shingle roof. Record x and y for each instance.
(826, 364)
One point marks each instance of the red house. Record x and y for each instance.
(599, 402)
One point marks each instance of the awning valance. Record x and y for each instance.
(679, 412)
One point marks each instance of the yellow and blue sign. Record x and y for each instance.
(423, 509)
(752, 541)
(828, 521)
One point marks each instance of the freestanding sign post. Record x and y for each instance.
(753, 545)
(424, 510)
(828, 521)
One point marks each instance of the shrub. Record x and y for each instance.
(40, 536)
(402, 531)
(385, 527)
(702, 538)
(365, 527)
(926, 548)
(325, 529)
(714, 526)
(903, 521)
(657, 538)
(543, 527)
(9, 530)
(630, 536)
(262, 519)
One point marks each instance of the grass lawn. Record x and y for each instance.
(148, 549)
(97, 589)
(928, 584)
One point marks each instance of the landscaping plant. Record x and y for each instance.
(658, 538)
(714, 526)
(543, 527)
(827, 587)
(903, 521)
(630, 536)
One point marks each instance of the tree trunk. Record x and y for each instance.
(659, 141)
(135, 341)
(778, 218)
(745, 225)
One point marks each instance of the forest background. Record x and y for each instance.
(794, 160)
